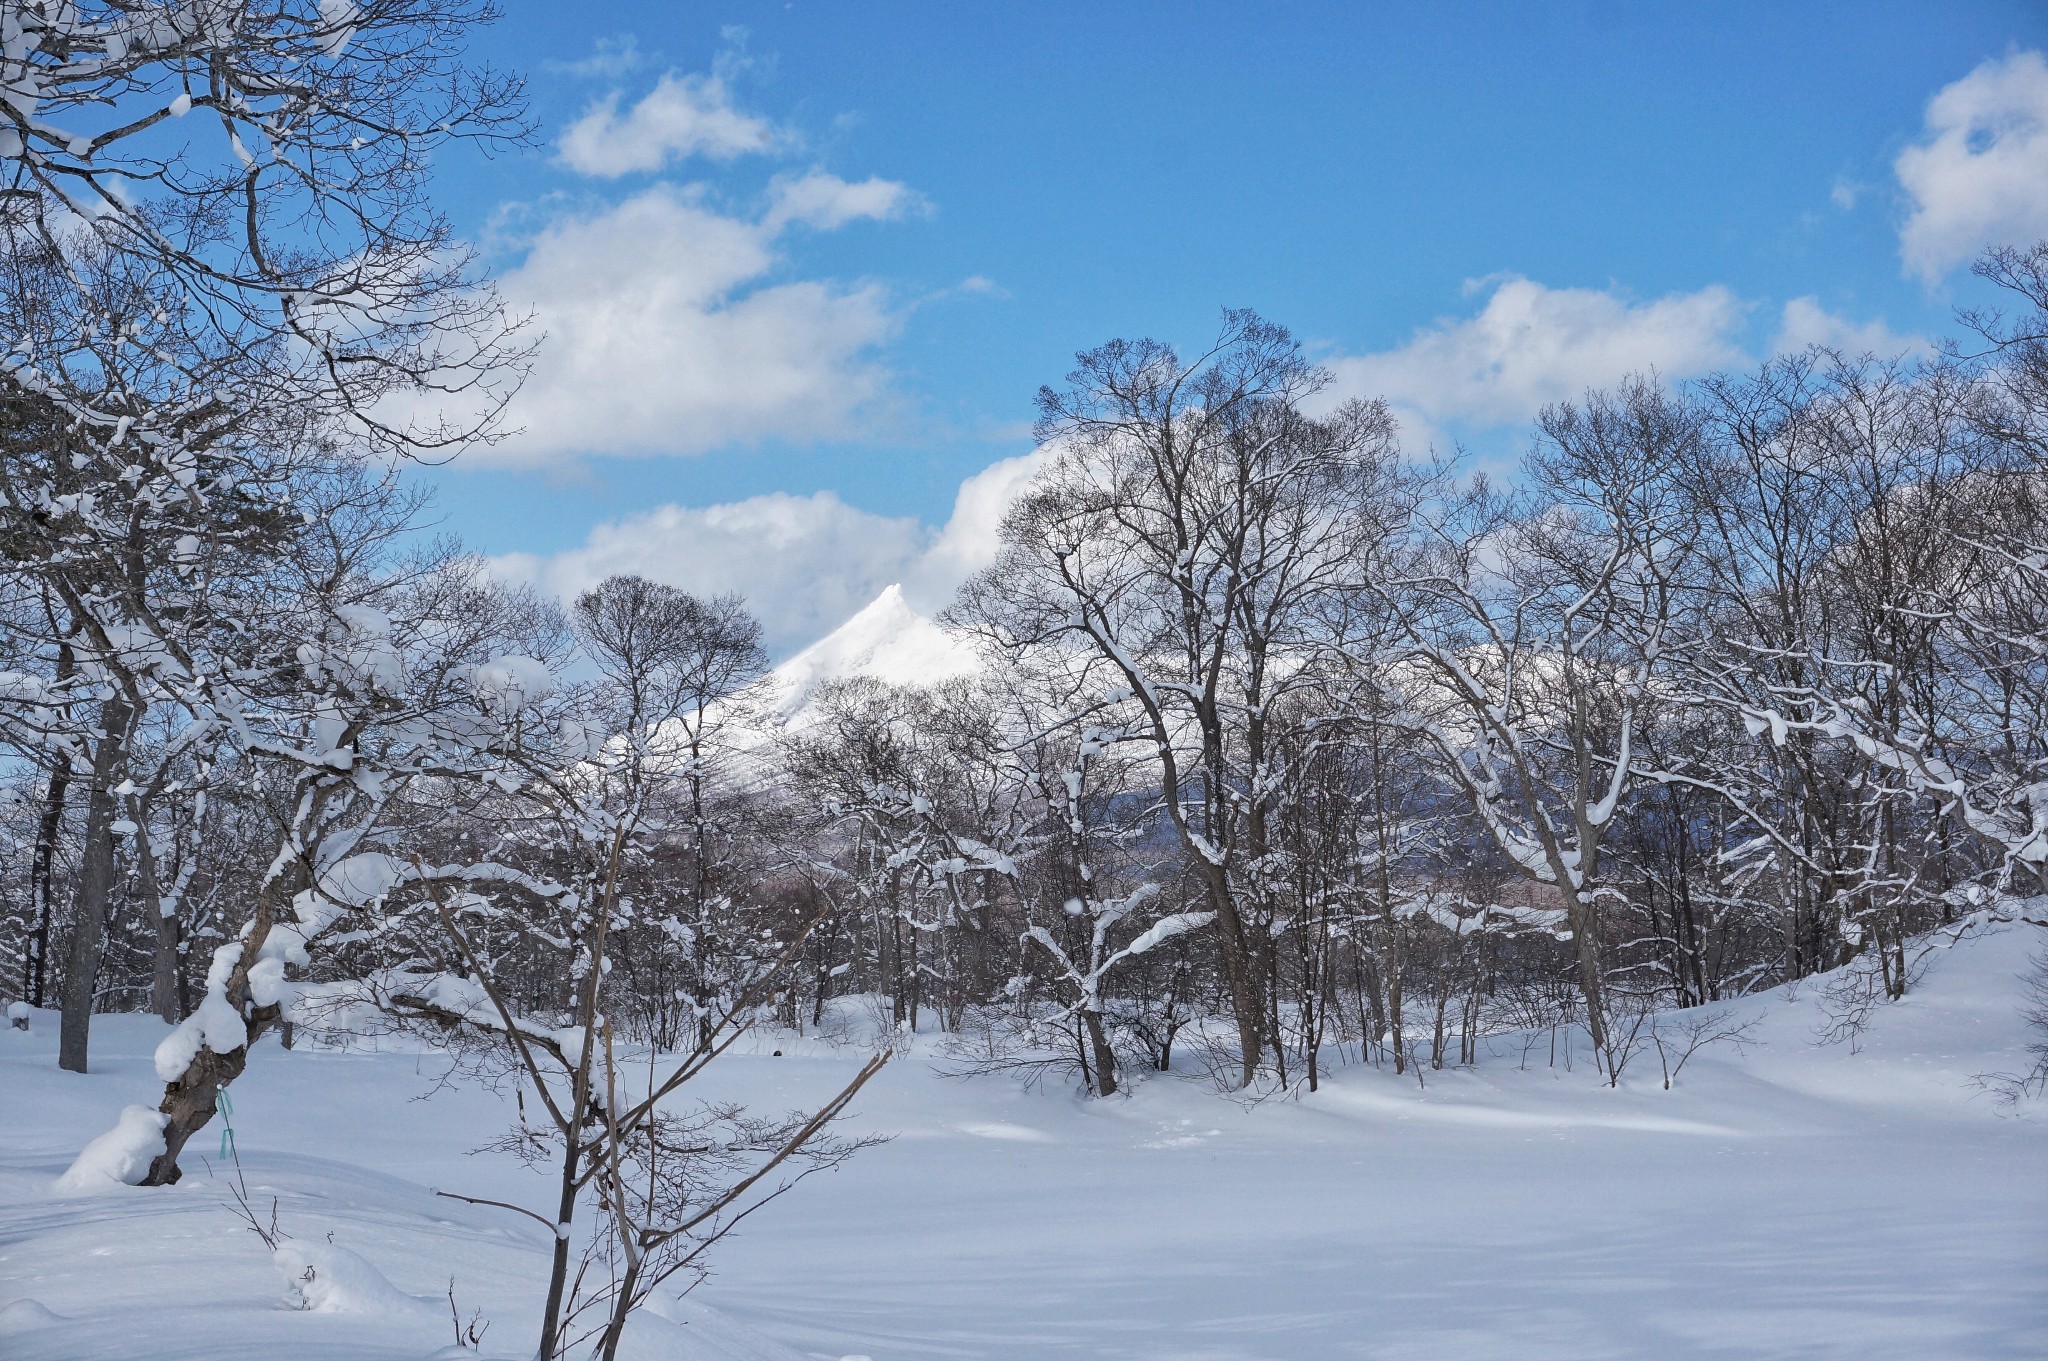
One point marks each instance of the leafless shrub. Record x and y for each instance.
(1679, 1037)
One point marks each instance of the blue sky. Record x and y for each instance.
(801, 267)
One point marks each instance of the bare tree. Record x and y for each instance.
(383, 684)
(266, 167)
(1093, 900)
(191, 323)
(1535, 629)
(534, 935)
(675, 668)
(1206, 539)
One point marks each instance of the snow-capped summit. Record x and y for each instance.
(887, 639)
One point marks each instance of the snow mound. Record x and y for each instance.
(887, 640)
(325, 1278)
(22, 1315)
(119, 1157)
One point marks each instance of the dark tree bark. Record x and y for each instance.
(42, 886)
(95, 888)
(1105, 1056)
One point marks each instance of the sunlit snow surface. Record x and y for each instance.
(887, 640)
(1798, 1201)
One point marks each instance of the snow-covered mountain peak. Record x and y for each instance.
(888, 640)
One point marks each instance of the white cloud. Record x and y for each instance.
(1980, 175)
(805, 563)
(969, 540)
(684, 115)
(1805, 322)
(662, 338)
(1531, 345)
(824, 201)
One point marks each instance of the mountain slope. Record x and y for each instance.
(888, 640)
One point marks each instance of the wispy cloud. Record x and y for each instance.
(1804, 322)
(610, 58)
(823, 201)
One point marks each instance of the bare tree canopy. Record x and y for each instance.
(259, 174)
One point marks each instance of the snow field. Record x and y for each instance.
(1795, 1201)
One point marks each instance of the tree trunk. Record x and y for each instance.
(1372, 1008)
(42, 886)
(1240, 974)
(1105, 1057)
(95, 889)
(193, 1099)
(899, 1000)
(1588, 956)
(167, 977)
(915, 980)
(42, 879)
(1396, 970)
(558, 1269)
(622, 1309)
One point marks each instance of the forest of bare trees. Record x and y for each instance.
(1287, 747)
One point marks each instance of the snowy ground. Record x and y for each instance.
(1797, 1201)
